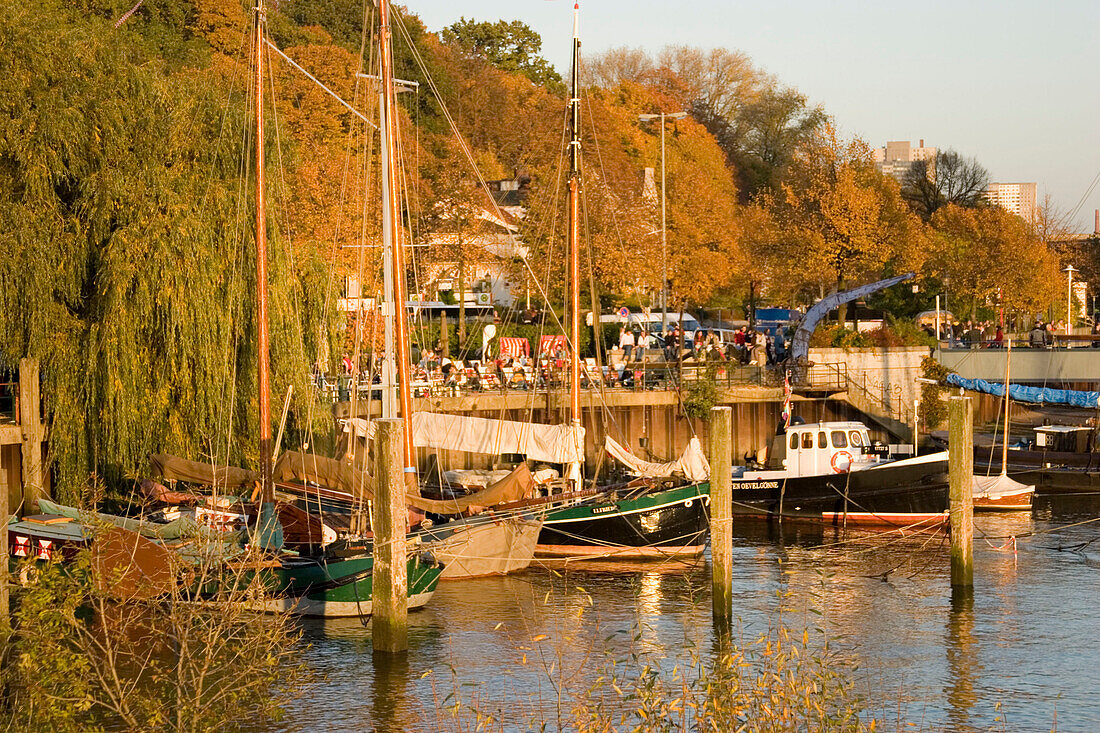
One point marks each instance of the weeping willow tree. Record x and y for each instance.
(126, 254)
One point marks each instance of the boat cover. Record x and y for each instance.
(196, 472)
(692, 463)
(179, 529)
(1020, 393)
(334, 474)
(308, 467)
(996, 487)
(551, 443)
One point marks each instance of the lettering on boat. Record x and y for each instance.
(756, 484)
(604, 509)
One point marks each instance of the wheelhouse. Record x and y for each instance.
(813, 449)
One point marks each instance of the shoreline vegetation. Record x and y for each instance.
(89, 650)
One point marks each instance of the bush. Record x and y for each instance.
(776, 682)
(893, 333)
(933, 408)
(82, 655)
(702, 395)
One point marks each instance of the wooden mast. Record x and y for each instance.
(1008, 399)
(574, 231)
(401, 345)
(263, 382)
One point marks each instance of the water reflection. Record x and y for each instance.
(522, 647)
(962, 662)
(389, 705)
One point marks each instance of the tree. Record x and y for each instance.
(510, 46)
(840, 219)
(614, 66)
(952, 179)
(758, 123)
(987, 249)
(622, 223)
(125, 267)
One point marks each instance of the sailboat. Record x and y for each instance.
(654, 516)
(468, 546)
(1000, 493)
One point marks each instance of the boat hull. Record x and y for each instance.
(339, 588)
(896, 494)
(651, 525)
(483, 545)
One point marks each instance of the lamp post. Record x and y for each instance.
(1070, 269)
(664, 231)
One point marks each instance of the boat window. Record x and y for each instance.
(840, 440)
(794, 441)
(857, 439)
(822, 442)
(807, 440)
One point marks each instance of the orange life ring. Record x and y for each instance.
(837, 455)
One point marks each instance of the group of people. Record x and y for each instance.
(986, 335)
(747, 346)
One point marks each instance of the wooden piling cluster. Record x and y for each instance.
(721, 513)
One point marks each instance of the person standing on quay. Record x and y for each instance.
(626, 342)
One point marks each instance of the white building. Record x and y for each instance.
(1019, 198)
(899, 155)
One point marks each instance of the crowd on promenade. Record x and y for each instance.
(986, 335)
(639, 360)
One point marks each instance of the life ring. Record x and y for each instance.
(837, 455)
(687, 504)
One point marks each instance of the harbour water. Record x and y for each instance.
(1019, 656)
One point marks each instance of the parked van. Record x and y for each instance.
(651, 322)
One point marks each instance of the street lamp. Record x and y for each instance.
(664, 231)
(1069, 297)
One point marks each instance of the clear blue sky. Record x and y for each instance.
(1012, 83)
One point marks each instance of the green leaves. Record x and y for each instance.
(127, 262)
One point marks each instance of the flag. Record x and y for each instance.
(786, 414)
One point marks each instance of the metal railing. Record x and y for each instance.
(471, 378)
(883, 398)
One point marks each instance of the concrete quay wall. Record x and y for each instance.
(651, 423)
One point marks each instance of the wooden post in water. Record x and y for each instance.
(444, 337)
(961, 470)
(721, 513)
(30, 432)
(390, 593)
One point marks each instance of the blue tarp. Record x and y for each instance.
(1020, 393)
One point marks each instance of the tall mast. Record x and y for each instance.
(575, 228)
(389, 116)
(389, 363)
(263, 382)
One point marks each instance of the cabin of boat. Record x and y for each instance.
(817, 449)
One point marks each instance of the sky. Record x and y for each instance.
(1010, 83)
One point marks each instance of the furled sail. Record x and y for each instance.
(196, 472)
(691, 464)
(295, 466)
(551, 443)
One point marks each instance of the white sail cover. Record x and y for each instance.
(997, 487)
(692, 463)
(552, 443)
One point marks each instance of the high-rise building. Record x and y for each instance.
(899, 156)
(1019, 198)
